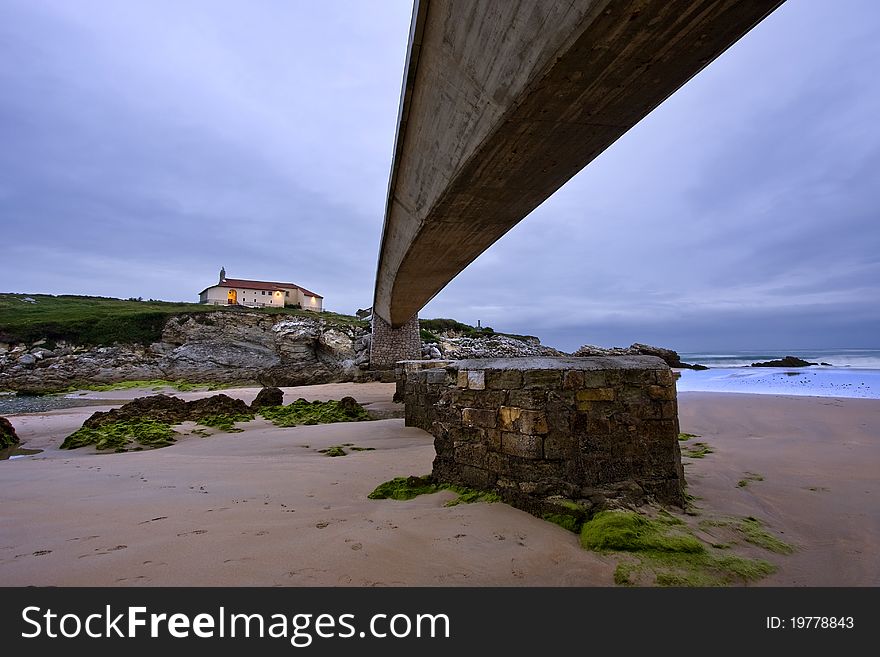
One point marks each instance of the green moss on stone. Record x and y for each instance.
(469, 495)
(406, 488)
(120, 435)
(687, 436)
(152, 384)
(311, 413)
(697, 450)
(339, 450)
(664, 548)
(226, 421)
(627, 531)
(753, 531)
(565, 521)
(750, 477)
(625, 572)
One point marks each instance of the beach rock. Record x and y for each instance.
(8, 437)
(303, 373)
(212, 347)
(215, 405)
(269, 396)
(669, 356)
(787, 361)
(350, 406)
(337, 342)
(490, 346)
(224, 361)
(162, 408)
(172, 410)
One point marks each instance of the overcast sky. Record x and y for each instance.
(143, 144)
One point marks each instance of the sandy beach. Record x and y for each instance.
(264, 507)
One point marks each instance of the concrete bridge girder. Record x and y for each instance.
(503, 102)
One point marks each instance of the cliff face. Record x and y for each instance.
(202, 348)
(250, 348)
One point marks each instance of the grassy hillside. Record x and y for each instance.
(102, 320)
(429, 327)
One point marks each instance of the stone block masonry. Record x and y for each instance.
(403, 369)
(390, 345)
(553, 435)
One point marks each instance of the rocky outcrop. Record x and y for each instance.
(495, 345)
(268, 397)
(254, 347)
(787, 361)
(669, 356)
(170, 410)
(8, 437)
(162, 408)
(216, 347)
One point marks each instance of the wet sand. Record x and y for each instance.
(264, 507)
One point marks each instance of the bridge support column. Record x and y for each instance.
(564, 437)
(390, 344)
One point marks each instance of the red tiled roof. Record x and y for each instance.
(254, 285)
(309, 294)
(262, 285)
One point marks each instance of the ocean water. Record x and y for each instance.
(849, 373)
(861, 358)
(11, 404)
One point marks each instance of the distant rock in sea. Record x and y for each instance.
(788, 361)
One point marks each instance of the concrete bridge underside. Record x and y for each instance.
(503, 102)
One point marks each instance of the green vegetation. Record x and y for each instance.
(339, 450)
(469, 495)
(750, 477)
(665, 548)
(628, 531)
(432, 326)
(687, 436)
(427, 336)
(92, 321)
(316, 412)
(153, 384)
(570, 515)
(565, 521)
(697, 450)
(226, 421)
(120, 436)
(406, 488)
(754, 532)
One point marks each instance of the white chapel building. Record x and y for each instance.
(259, 294)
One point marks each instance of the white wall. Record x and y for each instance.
(248, 297)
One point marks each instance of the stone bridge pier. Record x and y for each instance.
(390, 345)
(558, 436)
